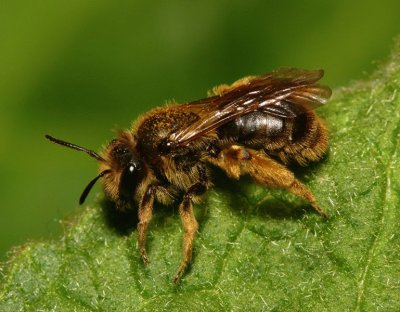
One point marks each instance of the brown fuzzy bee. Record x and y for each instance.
(254, 126)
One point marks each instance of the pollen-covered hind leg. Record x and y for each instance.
(237, 160)
(223, 88)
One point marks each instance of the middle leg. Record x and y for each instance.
(145, 212)
(189, 221)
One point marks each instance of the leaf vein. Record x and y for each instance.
(379, 233)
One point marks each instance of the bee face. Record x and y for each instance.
(127, 171)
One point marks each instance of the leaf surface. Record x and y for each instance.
(256, 249)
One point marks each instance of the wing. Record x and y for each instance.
(263, 93)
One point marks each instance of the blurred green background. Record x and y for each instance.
(80, 69)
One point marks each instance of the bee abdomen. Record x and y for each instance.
(255, 129)
(312, 144)
(308, 141)
(302, 138)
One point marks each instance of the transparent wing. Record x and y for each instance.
(269, 93)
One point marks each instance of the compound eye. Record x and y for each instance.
(122, 154)
(130, 178)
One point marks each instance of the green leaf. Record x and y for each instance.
(256, 249)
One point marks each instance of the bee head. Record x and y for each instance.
(120, 167)
(127, 170)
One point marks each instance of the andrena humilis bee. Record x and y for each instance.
(255, 126)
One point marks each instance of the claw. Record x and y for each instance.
(145, 258)
(179, 274)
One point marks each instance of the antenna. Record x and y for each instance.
(90, 185)
(75, 147)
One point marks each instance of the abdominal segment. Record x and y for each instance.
(301, 138)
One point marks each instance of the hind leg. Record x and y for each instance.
(237, 160)
(223, 88)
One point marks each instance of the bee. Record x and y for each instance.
(255, 127)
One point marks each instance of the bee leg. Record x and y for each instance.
(302, 191)
(190, 225)
(237, 160)
(268, 172)
(145, 214)
(223, 88)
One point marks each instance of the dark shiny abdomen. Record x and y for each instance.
(254, 128)
(300, 137)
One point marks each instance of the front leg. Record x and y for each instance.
(190, 225)
(145, 214)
